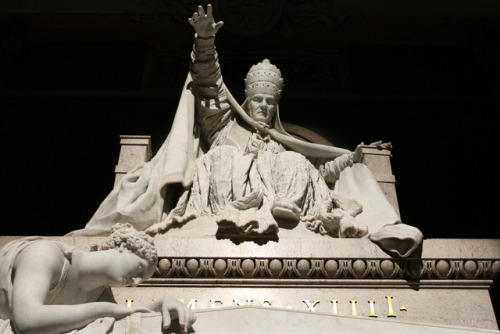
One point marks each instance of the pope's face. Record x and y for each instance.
(262, 107)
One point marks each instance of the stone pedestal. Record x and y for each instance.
(255, 319)
(446, 286)
(322, 281)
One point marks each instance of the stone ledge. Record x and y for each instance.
(255, 319)
(315, 259)
(292, 246)
(307, 245)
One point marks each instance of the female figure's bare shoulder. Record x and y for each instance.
(42, 254)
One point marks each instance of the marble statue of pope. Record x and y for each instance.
(239, 167)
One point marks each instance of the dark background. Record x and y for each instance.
(71, 82)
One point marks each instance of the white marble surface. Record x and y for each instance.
(252, 319)
(295, 245)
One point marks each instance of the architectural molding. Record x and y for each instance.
(325, 270)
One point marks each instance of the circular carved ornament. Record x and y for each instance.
(246, 17)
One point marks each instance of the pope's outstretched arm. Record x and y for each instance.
(213, 111)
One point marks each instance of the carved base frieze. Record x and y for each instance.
(328, 268)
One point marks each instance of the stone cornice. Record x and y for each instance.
(315, 260)
(325, 270)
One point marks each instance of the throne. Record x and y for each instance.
(137, 149)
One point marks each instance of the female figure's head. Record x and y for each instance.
(134, 255)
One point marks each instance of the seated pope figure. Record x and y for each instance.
(248, 178)
(240, 168)
(48, 287)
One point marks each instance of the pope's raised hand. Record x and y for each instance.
(204, 24)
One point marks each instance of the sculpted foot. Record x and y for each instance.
(286, 210)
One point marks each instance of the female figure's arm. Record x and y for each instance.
(171, 308)
(37, 269)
